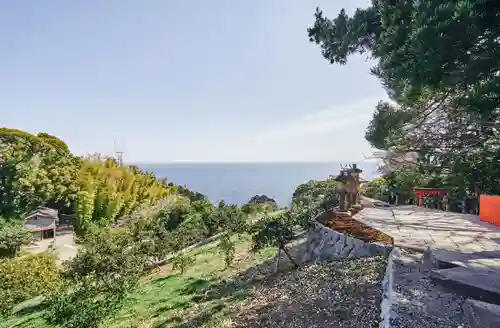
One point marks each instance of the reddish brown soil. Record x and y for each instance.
(351, 227)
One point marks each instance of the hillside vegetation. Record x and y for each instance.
(127, 221)
(438, 61)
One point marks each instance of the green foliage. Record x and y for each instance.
(316, 194)
(274, 231)
(98, 279)
(228, 248)
(191, 195)
(386, 129)
(27, 277)
(109, 191)
(249, 209)
(330, 198)
(377, 189)
(191, 230)
(12, 236)
(177, 222)
(32, 173)
(82, 305)
(262, 203)
(404, 181)
(232, 219)
(154, 240)
(108, 256)
(55, 142)
(434, 59)
(40, 170)
(182, 262)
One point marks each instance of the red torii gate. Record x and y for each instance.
(421, 192)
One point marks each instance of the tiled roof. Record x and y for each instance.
(44, 212)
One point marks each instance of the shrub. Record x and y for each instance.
(27, 277)
(99, 279)
(182, 262)
(227, 248)
(274, 231)
(376, 189)
(330, 198)
(313, 193)
(12, 237)
(82, 305)
(109, 256)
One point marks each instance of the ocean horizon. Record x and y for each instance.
(237, 182)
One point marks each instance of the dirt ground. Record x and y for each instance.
(65, 246)
(351, 227)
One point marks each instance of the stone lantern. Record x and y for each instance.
(342, 178)
(349, 189)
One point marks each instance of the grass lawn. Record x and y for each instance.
(166, 298)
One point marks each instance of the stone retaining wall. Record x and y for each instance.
(324, 244)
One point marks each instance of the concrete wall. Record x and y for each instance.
(324, 244)
(38, 235)
(39, 222)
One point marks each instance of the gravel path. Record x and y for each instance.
(419, 303)
(343, 294)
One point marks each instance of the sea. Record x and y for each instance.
(236, 183)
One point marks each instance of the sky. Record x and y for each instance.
(183, 80)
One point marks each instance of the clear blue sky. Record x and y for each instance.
(183, 80)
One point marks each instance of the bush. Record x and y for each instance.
(182, 262)
(376, 189)
(275, 231)
(330, 198)
(227, 248)
(99, 279)
(82, 305)
(316, 193)
(109, 256)
(27, 277)
(12, 237)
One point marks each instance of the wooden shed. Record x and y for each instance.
(42, 222)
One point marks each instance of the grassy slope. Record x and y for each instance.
(165, 297)
(248, 294)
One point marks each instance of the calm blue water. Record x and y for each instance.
(236, 183)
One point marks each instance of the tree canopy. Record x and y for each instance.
(440, 63)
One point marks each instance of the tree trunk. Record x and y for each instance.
(278, 260)
(289, 256)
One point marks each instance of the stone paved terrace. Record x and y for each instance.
(419, 228)
(464, 254)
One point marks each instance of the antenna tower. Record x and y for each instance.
(118, 155)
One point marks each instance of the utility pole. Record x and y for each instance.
(118, 155)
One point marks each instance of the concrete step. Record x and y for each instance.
(481, 314)
(481, 283)
(446, 259)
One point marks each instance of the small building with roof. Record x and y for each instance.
(42, 222)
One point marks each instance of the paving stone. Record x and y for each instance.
(420, 227)
(481, 314)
